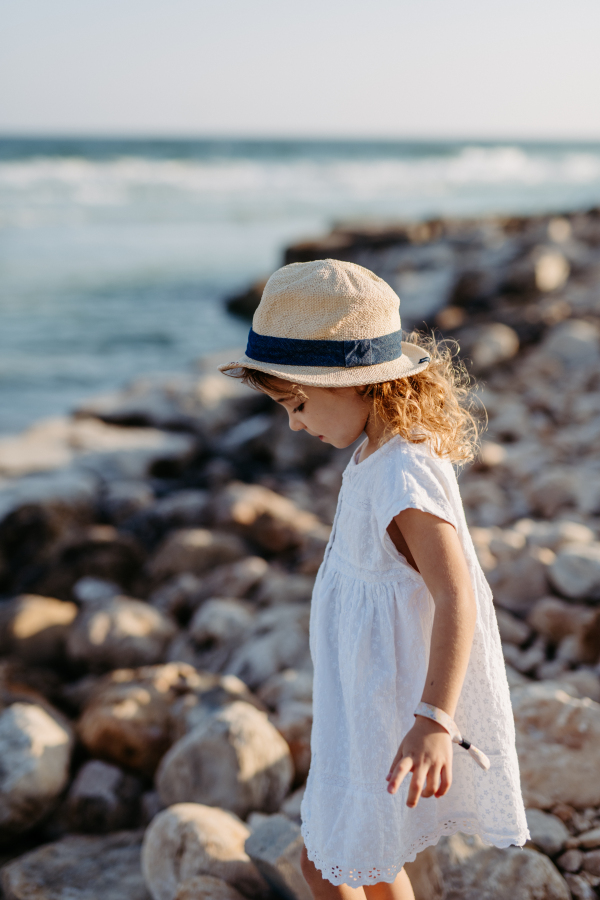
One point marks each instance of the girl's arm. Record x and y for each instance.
(432, 547)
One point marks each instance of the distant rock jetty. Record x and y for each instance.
(157, 556)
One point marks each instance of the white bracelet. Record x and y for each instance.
(447, 722)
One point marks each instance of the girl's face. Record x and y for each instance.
(337, 416)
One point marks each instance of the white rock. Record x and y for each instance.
(35, 753)
(120, 632)
(189, 839)
(576, 571)
(235, 759)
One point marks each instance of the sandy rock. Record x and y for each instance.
(279, 639)
(234, 759)
(275, 848)
(127, 716)
(547, 831)
(518, 583)
(206, 887)
(120, 632)
(34, 628)
(293, 720)
(188, 840)
(575, 572)
(512, 630)
(557, 741)
(102, 798)
(194, 550)
(291, 684)
(281, 587)
(35, 753)
(472, 871)
(575, 343)
(266, 518)
(79, 868)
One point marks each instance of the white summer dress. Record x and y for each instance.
(370, 630)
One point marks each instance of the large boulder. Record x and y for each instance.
(35, 754)
(575, 573)
(79, 868)
(131, 716)
(188, 840)
(120, 632)
(34, 629)
(557, 742)
(194, 550)
(234, 759)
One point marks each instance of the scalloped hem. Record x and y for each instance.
(358, 877)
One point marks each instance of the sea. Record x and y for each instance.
(116, 254)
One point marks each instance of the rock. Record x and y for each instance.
(279, 639)
(275, 848)
(293, 721)
(580, 888)
(234, 759)
(123, 499)
(184, 593)
(557, 740)
(554, 534)
(512, 630)
(472, 871)
(589, 840)
(580, 683)
(525, 661)
(570, 861)
(90, 590)
(206, 887)
(266, 518)
(127, 716)
(35, 754)
(212, 694)
(553, 489)
(575, 573)
(220, 621)
(591, 862)
(120, 632)
(547, 831)
(194, 550)
(79, 868)
(489, 345)
(551, 271)
(34, 628)
(102, 798)
(282, 587)
(290, 684)
(291, 805)
(575, 343)
(555, 619)
(518, 583)
(188, 840)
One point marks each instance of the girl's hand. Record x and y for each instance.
(426, 751)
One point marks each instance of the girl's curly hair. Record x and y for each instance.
(435, 406)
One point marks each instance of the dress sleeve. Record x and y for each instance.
(419, 482)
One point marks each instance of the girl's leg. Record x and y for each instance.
(400, 889)
(325, 890)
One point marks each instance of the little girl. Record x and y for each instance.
(404, 641)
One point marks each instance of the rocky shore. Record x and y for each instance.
(157, 555)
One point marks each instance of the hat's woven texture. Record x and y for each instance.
(327, 300)
(330, 300)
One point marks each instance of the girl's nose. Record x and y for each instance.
(295, 423)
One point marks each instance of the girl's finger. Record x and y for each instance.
(399, 774)
(397, 759)
(445, 782)
(433, 781)
(416, 785)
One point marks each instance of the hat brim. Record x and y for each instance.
(414, 359)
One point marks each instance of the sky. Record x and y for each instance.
(318, 68)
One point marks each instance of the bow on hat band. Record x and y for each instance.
(338, 354)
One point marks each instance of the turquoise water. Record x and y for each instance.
(115, 254)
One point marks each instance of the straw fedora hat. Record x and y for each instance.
(331, 324)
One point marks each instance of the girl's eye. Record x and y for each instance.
(299, 408)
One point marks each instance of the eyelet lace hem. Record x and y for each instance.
(358, 877)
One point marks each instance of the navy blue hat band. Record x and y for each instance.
(338, 354)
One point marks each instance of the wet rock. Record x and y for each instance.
(279, 638)
(235, 759)
(188, 840)
(34, 629)
(120, 632)
(206, 887)
(293, 720)
(547, 831)
(194, 550)
(275, 848)
(79, 868)
(557, 740)
(35, 753)
(576, 571)
(127, 716)
(267, 519)
(471, 871)
(102, 798)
